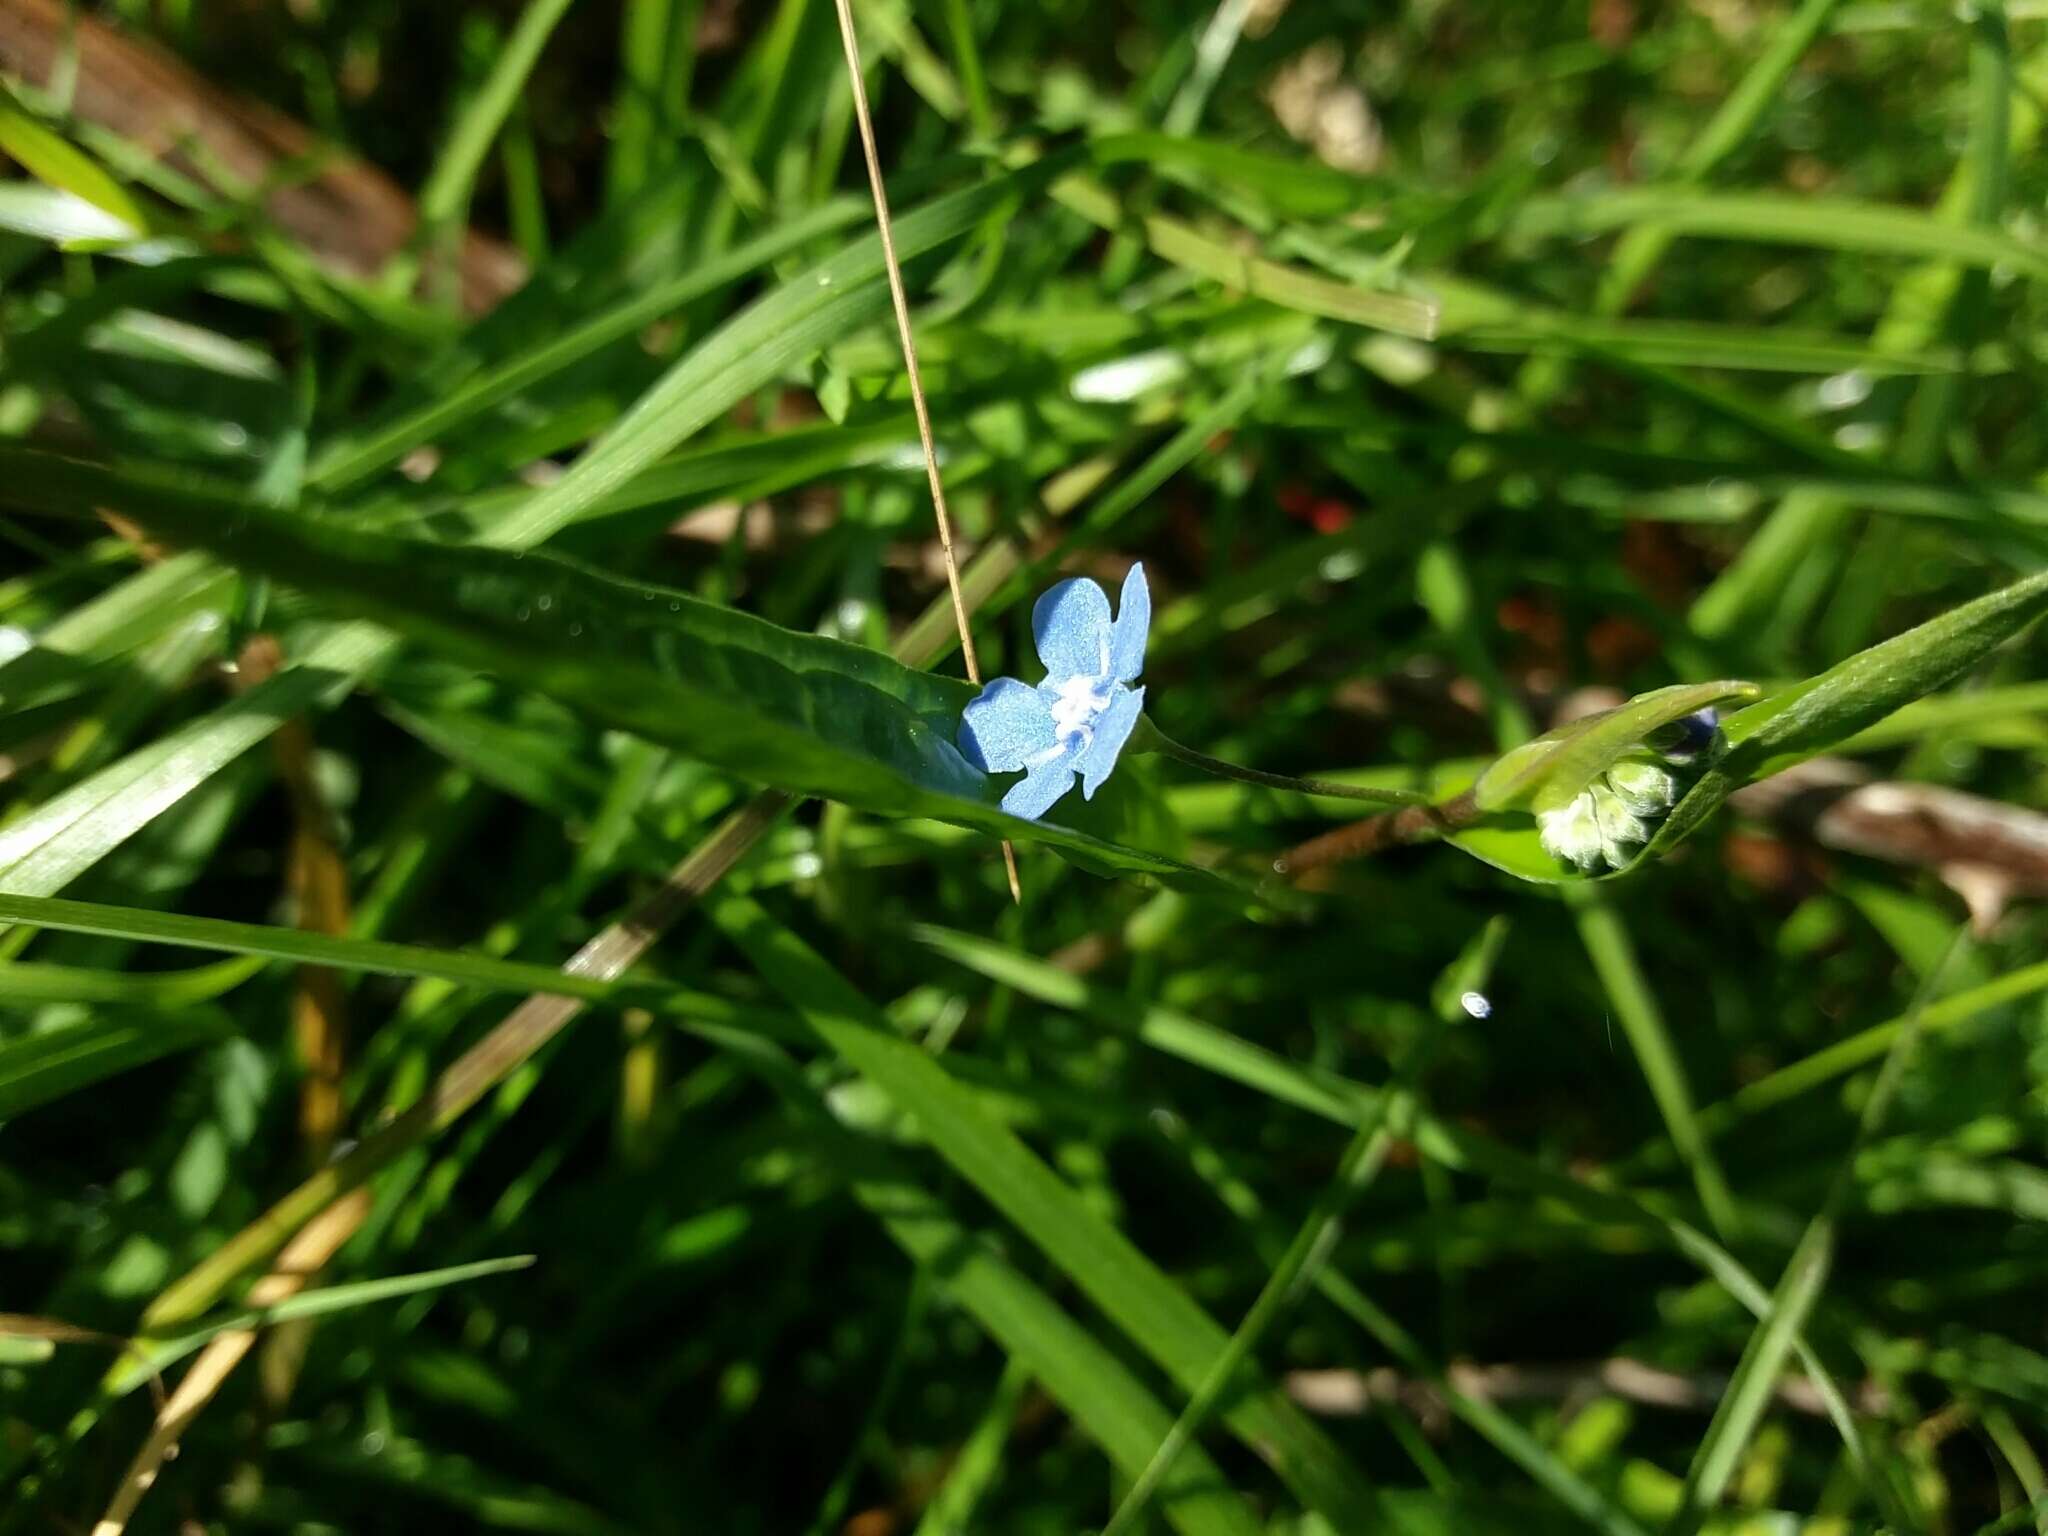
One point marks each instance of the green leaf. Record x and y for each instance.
(486, 973)
(1853, 695)
(1551, 770)
(55, 161)
(796, 711)
(54, 1062)
(1514, 848)
(153, 1355)
(361, 450)
(1832, 223)
(775, 333)
(24, 982)
(447, 190)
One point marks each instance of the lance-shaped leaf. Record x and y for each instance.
(1813, 716)
(773, 706)
(1550, 771)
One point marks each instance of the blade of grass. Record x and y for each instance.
(305, 1255)
(656, 54)
(376, 956)
(1306, 1256)
(1182, 245)
(23, 981)
(1798, 1291)
(1156, 1314)
(447, 190)
(151, 1355)
(979, 1463)
(55, 161)
(1490, 1422)
(1868, 1045)
(1606, 939)
(476, 1072)
(352, 456)
(1102, 1395)
(50, 1064)
(1837, 224)
(1870, 575)
(1805, 521)
(967, 64)
(1297, 1266)
(1342, 1102)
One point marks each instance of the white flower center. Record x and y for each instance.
(1080, 704)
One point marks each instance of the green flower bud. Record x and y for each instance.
(1571, 834)
(1645, 785)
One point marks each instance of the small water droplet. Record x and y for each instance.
(575, 629)
(545, 602)
(675, 607)
(522, 615)
(1477, 1005)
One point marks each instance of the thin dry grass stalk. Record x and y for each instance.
(917, 400)
(303, 1258)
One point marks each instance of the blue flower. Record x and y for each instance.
(1078, 719)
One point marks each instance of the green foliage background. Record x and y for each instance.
(1440, 360)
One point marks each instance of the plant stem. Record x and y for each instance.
(1328, 788)
(1359, 839)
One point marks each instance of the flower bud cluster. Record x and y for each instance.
(1607, 824)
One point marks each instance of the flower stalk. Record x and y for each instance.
(1151, 738)
(1360, 839)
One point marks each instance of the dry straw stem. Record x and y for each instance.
(917, 403)
(303, 1258)
(473, 1074)
(326, 1209)
(318, 881)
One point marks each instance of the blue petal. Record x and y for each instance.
(1070, 622)
(1111, 732)
(1133, 622)
(1006, 727)
(1693, 734)
(1032, 796)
